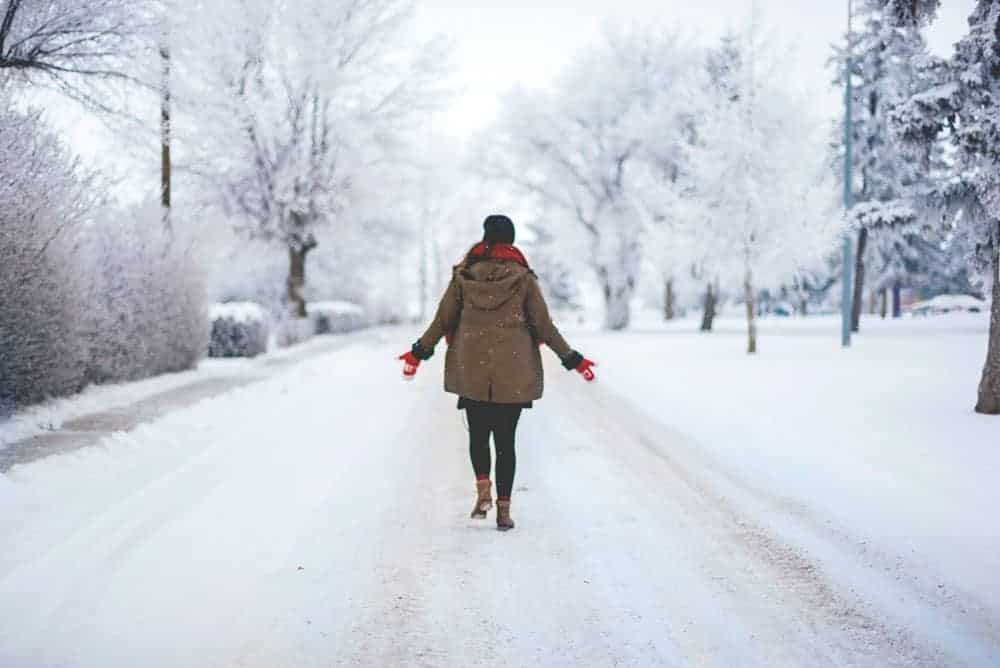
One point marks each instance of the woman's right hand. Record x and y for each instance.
(410, 365)
(586, 369)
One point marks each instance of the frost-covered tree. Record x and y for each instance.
(910, 12)
(884, 59)
(579, 147)
(301, 100)
(723, 65)
(758, 191)
(71, 45)
(963, 105)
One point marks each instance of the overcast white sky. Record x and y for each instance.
(502, 44)
(499, 45)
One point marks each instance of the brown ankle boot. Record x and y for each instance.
(484, 500)
(504, 523)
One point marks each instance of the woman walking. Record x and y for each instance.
(495, 320)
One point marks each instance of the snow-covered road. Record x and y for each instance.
(319, 518)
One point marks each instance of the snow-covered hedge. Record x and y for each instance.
(145, 305)
(39, 198)
(87, 293)
(239, 329)
(336, 317)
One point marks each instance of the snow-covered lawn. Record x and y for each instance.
(807, 507)
(879, 441)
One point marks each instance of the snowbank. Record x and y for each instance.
(237, 311)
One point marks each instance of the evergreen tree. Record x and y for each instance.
(962, 104)
(884, 71)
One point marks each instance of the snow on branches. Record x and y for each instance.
(62, 43)
(649, 150)
(758, 194)
(300, 103)
(909, 13)
(584, 149)
(961, 106)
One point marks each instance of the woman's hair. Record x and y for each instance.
(498, 229)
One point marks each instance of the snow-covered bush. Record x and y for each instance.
(239, 329)
(41, 200)
(145, 304)
(87, 294)
(336, 317)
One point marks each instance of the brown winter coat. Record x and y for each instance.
(495, 315)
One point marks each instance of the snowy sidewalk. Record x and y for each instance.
(180, 390)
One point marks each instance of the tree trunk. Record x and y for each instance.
(989, 386)
(751, 320)
(883, 300)
(897, 300)
(617, 306)
(859, 280)
(297, 281)
(708, 309)
(166, 165)
(668, 299)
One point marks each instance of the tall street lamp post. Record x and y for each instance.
(846, 272)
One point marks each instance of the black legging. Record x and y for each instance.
(501, 421)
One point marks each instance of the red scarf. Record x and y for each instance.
(499, 252)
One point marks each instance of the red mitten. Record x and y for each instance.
(586, 369)
(410, 365)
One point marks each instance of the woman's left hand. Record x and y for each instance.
(586, 369)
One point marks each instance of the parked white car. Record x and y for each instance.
(948, 304)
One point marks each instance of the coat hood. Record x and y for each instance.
(490, 283)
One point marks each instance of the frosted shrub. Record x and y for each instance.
(146, 311)
(239, 329)
(40, 198)
(86, 296)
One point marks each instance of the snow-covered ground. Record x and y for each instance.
(807, 507)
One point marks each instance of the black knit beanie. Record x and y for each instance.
(498, 230)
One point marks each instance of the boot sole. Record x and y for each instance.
(504, 528)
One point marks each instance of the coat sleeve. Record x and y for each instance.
(537, 313)
(445, 321)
